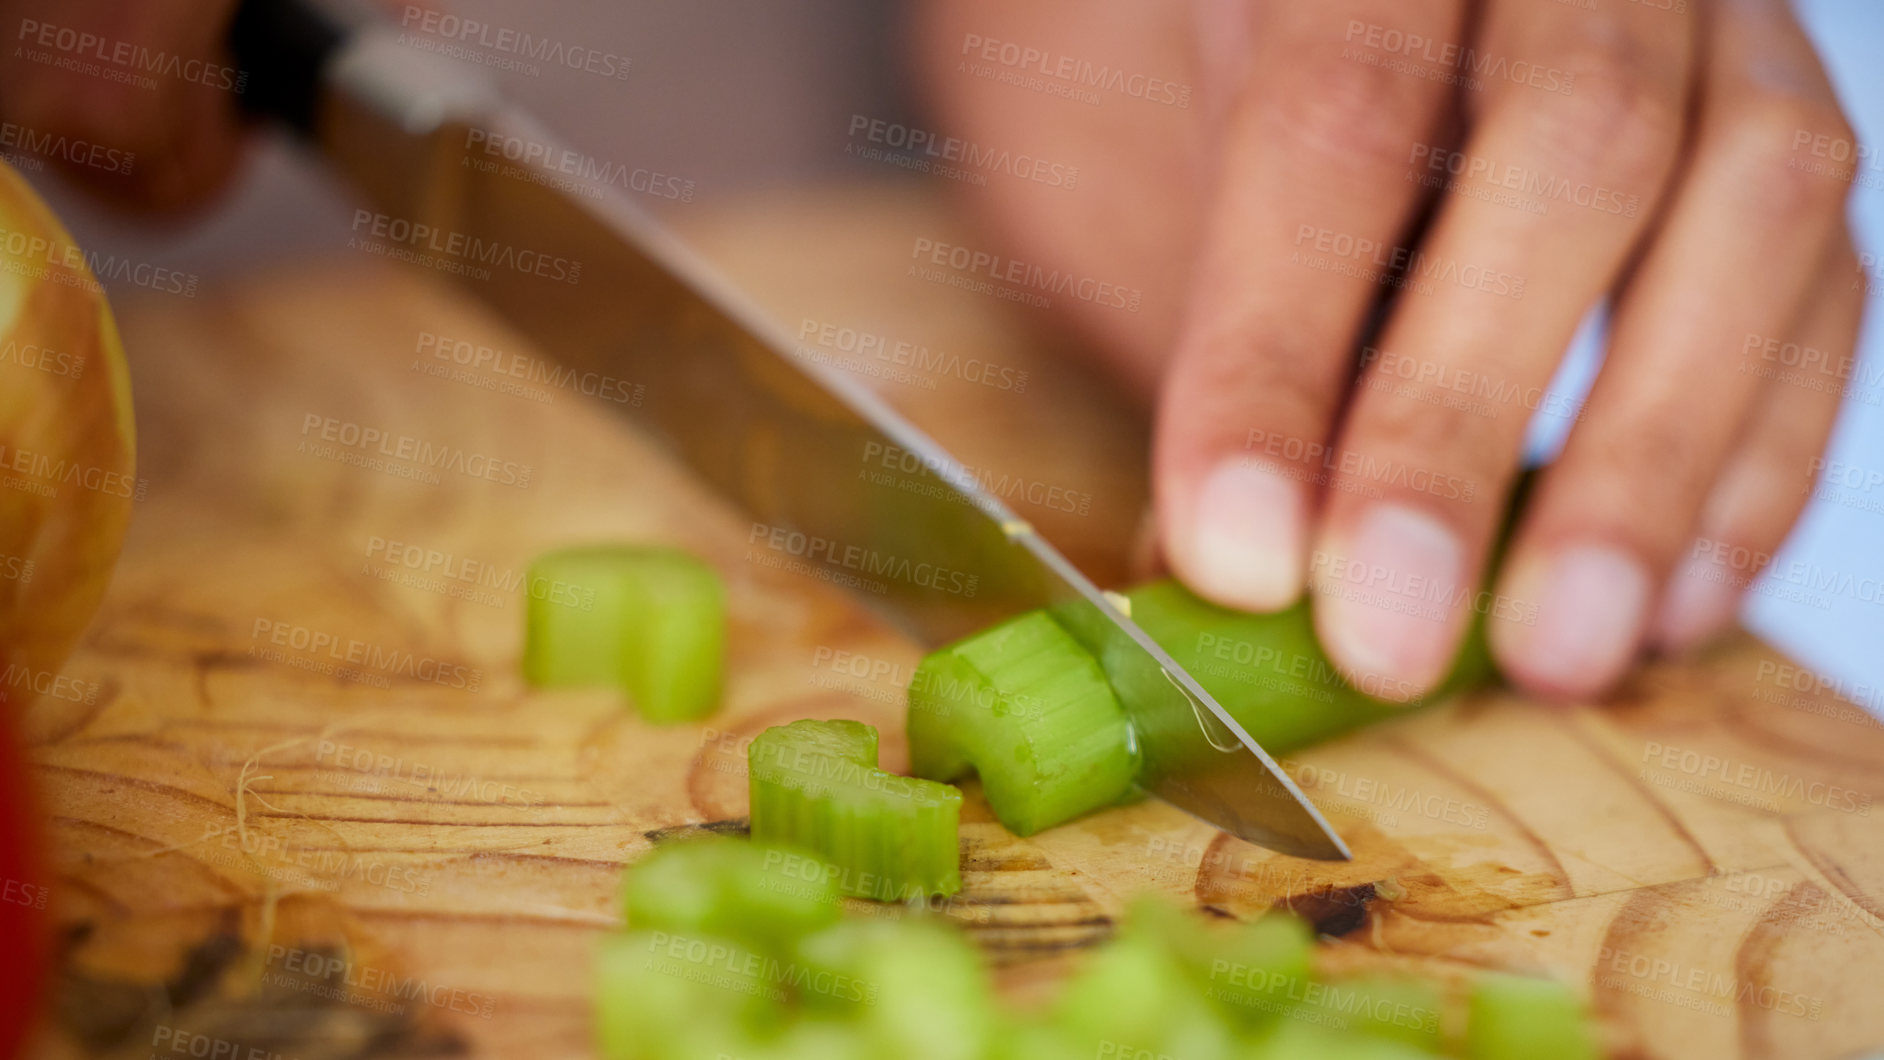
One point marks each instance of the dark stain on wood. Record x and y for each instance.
(734, 826)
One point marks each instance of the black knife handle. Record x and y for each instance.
(283, 46)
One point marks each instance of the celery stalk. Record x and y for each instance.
(816, 784)
(649, 621)
(1029, 709)
(1269, 672)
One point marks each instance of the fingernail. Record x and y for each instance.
(1384, 598)
(1248, 538)
(1701, 600)
(1591, 602)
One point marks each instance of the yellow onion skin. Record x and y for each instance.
(68, 475)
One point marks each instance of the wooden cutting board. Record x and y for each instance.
(307, 806)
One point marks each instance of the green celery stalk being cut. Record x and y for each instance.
(816, 785)
(1512, 1017)
(1030, 710)
(1269, 672)
(649, 621)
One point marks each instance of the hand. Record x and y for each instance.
(1503, 166)
(133, 98)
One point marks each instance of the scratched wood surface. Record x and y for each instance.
(309, 808)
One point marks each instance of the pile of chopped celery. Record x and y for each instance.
(740, 949)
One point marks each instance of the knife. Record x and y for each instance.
(838, 485)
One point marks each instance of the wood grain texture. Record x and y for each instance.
(366, 838)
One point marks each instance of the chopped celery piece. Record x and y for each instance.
(661, 994)
(916, 986)
(1394, 1008)
(765, 897)
(815, 784)
(1299, 1040)
(1030, 710)
(1514, 1017)
(649, 621)
(1133, 996)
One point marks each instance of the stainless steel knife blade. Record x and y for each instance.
(598, 284)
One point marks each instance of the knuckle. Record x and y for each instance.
(1227, 392)
(1656, 464)
(1364, 116)
(1758, 143)
(1469, 452)
(1623, 116)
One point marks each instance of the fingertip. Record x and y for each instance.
(1699, 603)
(1387, 590)
(1243, 542)
(1587, 605)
